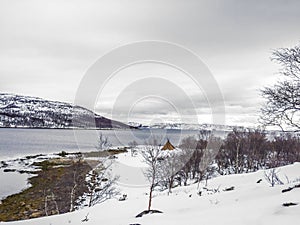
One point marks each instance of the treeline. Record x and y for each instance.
(248, 151)
(201, 157)
(242, 151)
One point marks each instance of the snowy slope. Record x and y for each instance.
(249, 203)
(33, 112)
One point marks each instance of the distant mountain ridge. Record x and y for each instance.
(33, 112)
(185, 126)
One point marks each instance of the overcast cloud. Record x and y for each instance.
(47, 46)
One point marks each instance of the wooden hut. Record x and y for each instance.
(168, 146)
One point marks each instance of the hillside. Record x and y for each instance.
(33, 112)
(249, 202)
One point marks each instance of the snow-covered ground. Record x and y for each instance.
(249, 203)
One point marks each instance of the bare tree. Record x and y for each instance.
(132, 146)
(256, 148)
(282, 106)
(188, 143)
(209, 154)
(233, 155)
(204, 134)
(185, 159)
(198, 154)
(289, 59)
(235, 145)
(151, 156)
(77, 162)
(73, 190)
(103, 142)
(272, 177)
(188, 146)
(169, 167)
(101, 184)
(50, 198)
(285, 150)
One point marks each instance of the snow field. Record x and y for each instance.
(249, 203)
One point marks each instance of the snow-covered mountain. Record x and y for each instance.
(185, 126)
(33, 112)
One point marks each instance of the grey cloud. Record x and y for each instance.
(46, 47)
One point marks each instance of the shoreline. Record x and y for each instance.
(48, 175)
(68, 128)
(50, 187)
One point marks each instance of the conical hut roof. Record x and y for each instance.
(168, 146)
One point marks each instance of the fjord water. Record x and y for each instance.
(12, 182)
(16, 142)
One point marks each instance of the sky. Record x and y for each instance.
(47, 47)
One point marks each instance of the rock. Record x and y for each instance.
(9, 170)
(145, 212)
(4, 164)
(36, 214)
(287, 189)
(290, 188)
(287, 204)
(229, 189)
(123, 198)
(22, 203)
